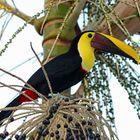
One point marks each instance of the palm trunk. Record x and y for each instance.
(52, 28)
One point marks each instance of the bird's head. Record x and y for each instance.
(89, 42)
(98, 42)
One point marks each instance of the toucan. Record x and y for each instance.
(70, 68)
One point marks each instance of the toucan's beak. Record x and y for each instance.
(105, 43)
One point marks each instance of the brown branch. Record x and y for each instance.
(14, 11)
(72, 20)
(44, 71)
(10, 87)
(10, 9)
(20, 79)
(126, 14)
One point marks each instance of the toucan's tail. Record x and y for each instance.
(16, 102)
(7, 113)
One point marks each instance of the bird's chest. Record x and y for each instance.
(87, 63)
(87, 55)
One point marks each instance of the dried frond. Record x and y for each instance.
(60, 117)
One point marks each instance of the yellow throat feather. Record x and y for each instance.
(86, 51)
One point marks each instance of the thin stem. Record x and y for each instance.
(10, 9)
(43, 69)
(32, 88)
(5, 85)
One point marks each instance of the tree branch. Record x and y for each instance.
(72, 20)
(10, 9)
(14, 11)
(20, 79)
(74, 15)
(128, 14)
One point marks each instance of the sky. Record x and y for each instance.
(19, 51)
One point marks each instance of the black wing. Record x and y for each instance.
(63, 65)
(63, 72)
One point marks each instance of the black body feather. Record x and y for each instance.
(63, 71)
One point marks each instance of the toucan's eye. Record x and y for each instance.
(89, 35)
